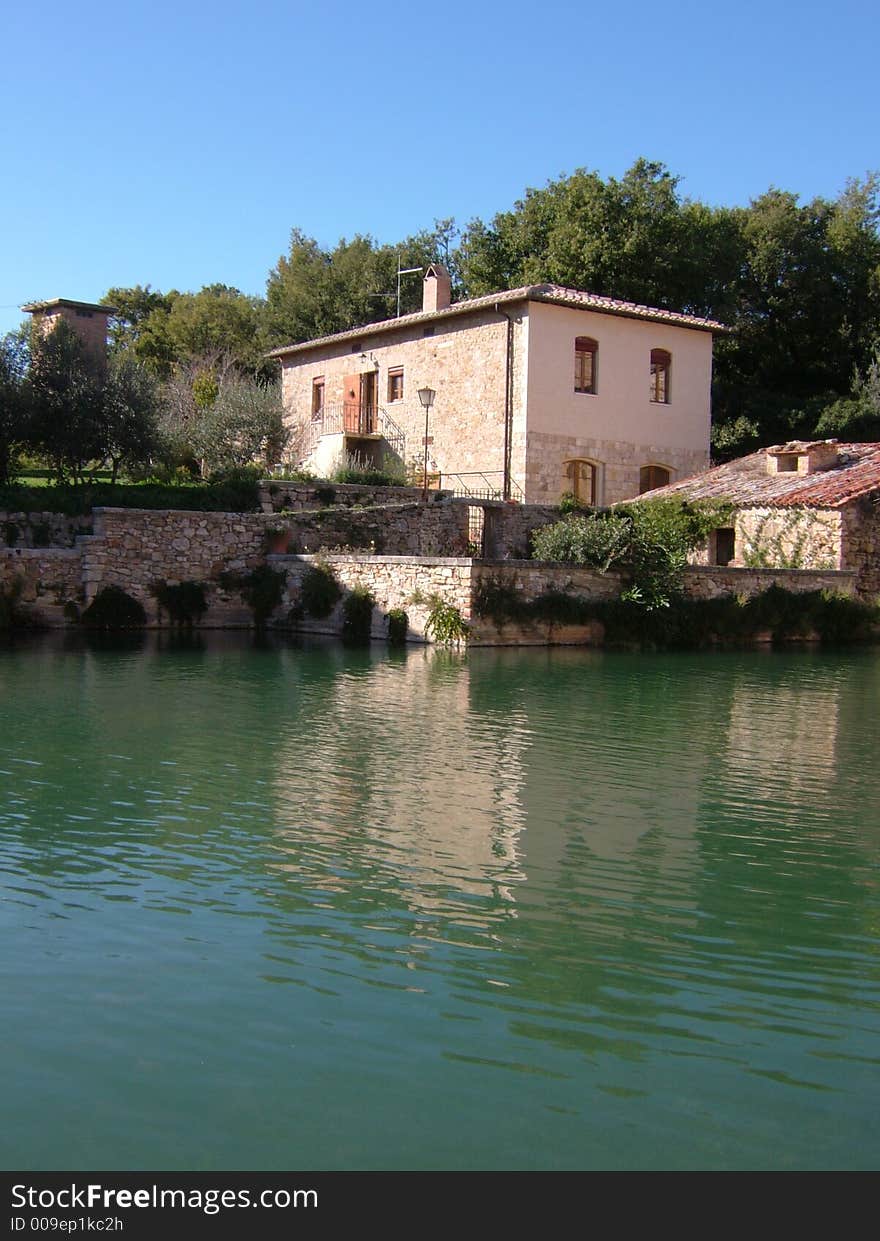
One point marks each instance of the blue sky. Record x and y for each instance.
(177, 144)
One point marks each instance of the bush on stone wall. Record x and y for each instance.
(398, 625)
(357, 615)
(319, 590)
(112, 608)
(185, 602)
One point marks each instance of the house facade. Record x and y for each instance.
(537, 392)
(800, 505)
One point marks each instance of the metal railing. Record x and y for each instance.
(480, 485)
(351, 418)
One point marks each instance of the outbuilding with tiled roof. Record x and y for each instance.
(800, 505)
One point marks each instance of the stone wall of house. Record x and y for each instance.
(791, 538)
(618, 461)
(277, 496)
(861, 546)
(42, 529)
(463, 359)
(48, 578)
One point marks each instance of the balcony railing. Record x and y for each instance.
(353, 419)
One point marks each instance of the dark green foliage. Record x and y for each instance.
(112, 608)
(354, 471)
(319, 591)
(41, 535)
(445, 622)
(262, 590)
(357, 615)
(499, 600)
(185, 602)
(10, 618)
(732, 620)
(398, 625)
(238, 495)
(650, 540)
(325, 494)
(10, 533)
(569, 503)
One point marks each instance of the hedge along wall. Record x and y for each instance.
(394, 530)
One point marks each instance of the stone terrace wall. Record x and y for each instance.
(42, 529)
(507, 528)
(50, 577)
(711, 581)
(393, 581)
(276, 495)
(394, 530)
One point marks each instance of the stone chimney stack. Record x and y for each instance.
(87, 319)
(437, 288)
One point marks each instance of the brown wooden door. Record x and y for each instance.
(351, 403)
(368, 403)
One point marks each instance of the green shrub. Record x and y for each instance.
(41, 534)
(597, 540)
(10, 618)
(353, 469)
(325, 495)
(650, 539)
(319, 591)
(11, 533)
(357, 614)
(445, 623)
(398, 625)
(112, 608)
(262, 590)
(185, 602)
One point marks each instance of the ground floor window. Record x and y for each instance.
(651, 476)
(580, 478)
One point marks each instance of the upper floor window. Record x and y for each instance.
(395, 384)
(651, 476)
(661, 361)
(585, 355)
(317, 397)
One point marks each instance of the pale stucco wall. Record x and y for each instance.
(618, 426)
(463, 361)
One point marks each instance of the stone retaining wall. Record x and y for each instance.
(50, 577)
(277, 496)
(712, 581)
(42, 529)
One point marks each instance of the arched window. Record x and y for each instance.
(651, 476)
(580, 478)
(586, 351)
(661, 362)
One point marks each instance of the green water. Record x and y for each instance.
(271, 908)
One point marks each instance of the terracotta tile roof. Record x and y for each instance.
(746, 483)
(552, 293)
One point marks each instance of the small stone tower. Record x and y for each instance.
(87, 319)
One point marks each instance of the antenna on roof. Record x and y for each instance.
(404, 271)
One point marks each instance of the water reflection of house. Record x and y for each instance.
(392, 765)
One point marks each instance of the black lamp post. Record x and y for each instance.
(426, 396)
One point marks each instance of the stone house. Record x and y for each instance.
(801, 505)
(537, 391)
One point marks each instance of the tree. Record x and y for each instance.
(314, 292)
(14, 423)
(130, 414)
(84, 412)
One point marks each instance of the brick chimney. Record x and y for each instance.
(437, 288)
